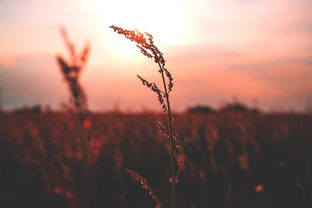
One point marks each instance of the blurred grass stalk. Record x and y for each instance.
(71, 70)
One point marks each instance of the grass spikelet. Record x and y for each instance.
(145, 185)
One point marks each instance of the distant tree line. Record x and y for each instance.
(234, 106)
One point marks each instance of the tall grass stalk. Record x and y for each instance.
(71, 70)
(169, 121)
(144, 41)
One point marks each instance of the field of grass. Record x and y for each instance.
(232, 159)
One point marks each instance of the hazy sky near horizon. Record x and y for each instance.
(255, 50)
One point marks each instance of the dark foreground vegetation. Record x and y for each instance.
(232, 159)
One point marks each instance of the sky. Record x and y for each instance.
(256, 51)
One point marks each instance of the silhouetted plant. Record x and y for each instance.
(144, 41)
(71, 70)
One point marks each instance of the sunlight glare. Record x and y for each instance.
(164, 19)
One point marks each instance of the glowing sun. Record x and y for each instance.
(163, 19)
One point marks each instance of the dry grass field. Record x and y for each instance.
(232, 159)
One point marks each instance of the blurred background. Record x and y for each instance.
(73, 115)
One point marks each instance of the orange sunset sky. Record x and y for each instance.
(256, 50)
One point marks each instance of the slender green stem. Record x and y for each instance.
(169, 120)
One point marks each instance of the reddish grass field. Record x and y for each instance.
(231, 160)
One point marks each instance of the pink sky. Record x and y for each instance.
(251, 49)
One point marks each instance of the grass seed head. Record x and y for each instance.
(145, 185)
